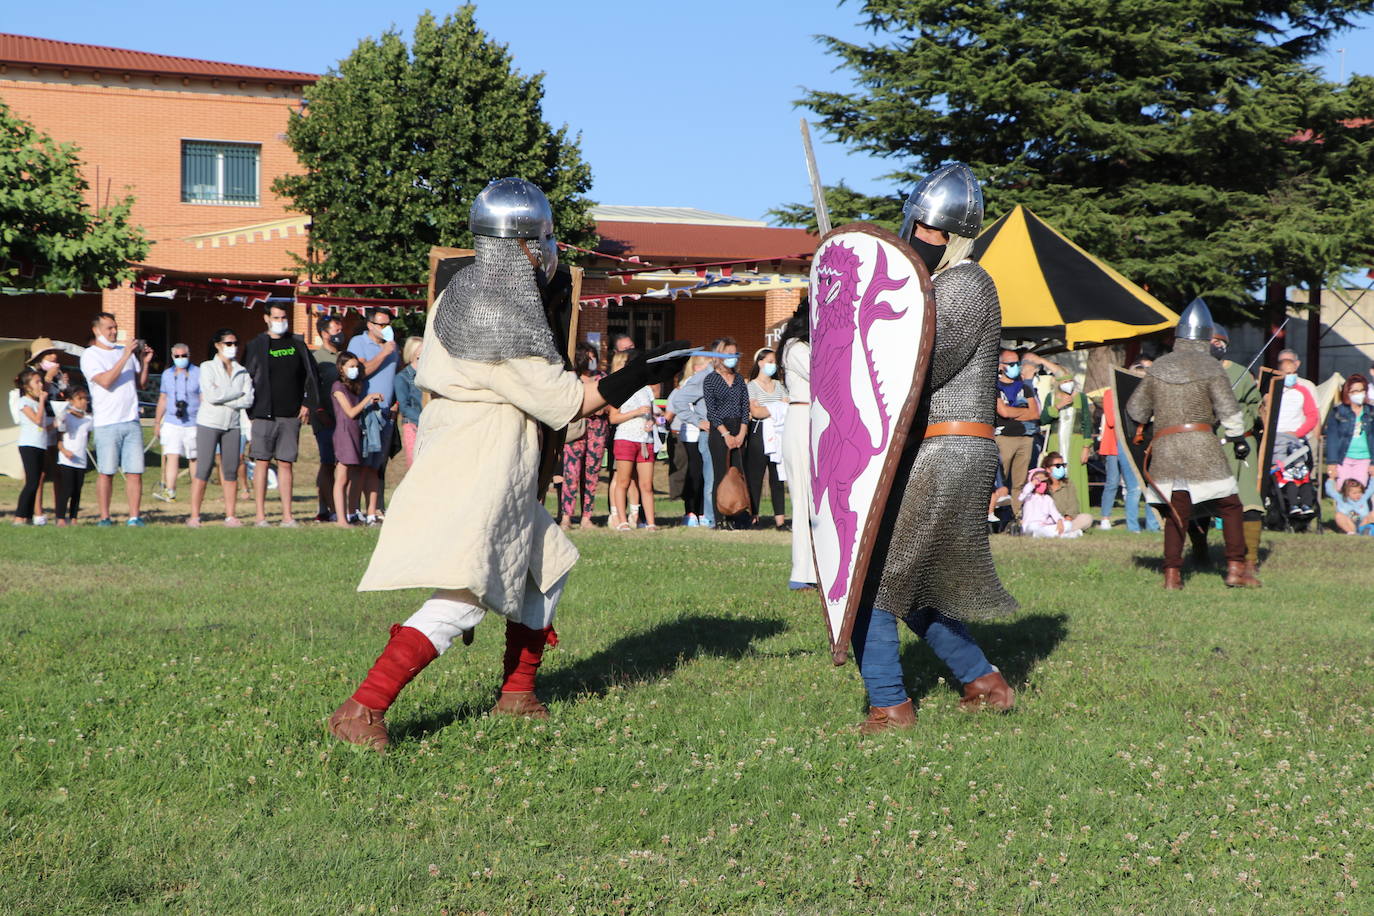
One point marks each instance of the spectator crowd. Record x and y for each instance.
(729, 434)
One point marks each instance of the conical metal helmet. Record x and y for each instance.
(949, 198)
(1195, 323)
(512, 208)
(1219, 331)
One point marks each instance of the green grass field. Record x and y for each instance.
(165, 691)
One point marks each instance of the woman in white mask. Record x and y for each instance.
(226, 389)
(1349, 434)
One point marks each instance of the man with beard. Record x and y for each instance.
(466, 521)
(1186, 394)
(932, 562)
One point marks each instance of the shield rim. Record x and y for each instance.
(839, 645)
(1122, 419)
(1269, 419)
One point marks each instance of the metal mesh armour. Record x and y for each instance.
(933, 550)
(1186, 386)
(491, 310)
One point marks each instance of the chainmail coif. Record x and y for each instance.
(933, 549)
(491, 310)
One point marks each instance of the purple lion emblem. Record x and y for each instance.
(846, 446)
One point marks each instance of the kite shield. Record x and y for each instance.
(872, 328)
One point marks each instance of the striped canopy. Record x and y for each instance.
(1052, 289)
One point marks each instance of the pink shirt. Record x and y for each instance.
(1038, 509)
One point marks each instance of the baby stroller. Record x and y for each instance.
(1290, 497)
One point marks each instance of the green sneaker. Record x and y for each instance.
(105, 523)
(137, 522)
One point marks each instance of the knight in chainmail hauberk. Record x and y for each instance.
(1186, 394)
(466, 523)
(932, 566)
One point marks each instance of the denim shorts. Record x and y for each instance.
(119, 447)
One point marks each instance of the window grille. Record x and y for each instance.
(220, 173)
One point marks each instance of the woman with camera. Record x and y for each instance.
(174, 423)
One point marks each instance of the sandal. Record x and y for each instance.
(650, 527)
(624, 526)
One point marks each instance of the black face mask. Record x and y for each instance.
(930, 254)
(336, 341)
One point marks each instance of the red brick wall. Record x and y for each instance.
(702, 319)
(130, 133)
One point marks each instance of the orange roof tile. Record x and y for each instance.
(718, 243)
(25, 50)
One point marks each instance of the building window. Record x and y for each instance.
(219, 173)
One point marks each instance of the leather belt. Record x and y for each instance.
(1183, 428)
(958, 428)
(799, 403)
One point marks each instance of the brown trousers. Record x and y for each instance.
(1228, 508)
(1015, 452)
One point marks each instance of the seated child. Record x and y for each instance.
(1354, 512)
(1040, 517)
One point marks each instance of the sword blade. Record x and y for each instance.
(817, 189)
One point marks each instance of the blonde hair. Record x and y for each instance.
(618, 360)
(412, 346)
(693, 366)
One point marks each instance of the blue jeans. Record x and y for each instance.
(708, 476)
(1119, 471)
(119, 447)
(876, 651)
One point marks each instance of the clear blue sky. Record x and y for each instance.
(679, 104)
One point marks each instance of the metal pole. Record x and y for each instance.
(817, 189)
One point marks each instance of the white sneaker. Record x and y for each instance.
(40, 519)
(992, 517)
(1105, 524)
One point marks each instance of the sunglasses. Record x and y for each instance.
(1059, 465)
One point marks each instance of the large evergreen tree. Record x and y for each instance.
(1184, 141)
(398, 142)
(50, 238)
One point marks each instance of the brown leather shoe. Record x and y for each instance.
(1173, 580)
(991, 691)
(355, 723)
(883, 718)
(1239, 576)
(520, 704)
(1252, 570)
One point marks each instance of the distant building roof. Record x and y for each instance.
(687, 234)
(681, 215)
(27, 51)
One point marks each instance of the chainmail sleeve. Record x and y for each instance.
(1226, 407)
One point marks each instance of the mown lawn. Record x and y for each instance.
(165, 690)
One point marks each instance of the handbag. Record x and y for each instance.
(576, 430)
(732, 493)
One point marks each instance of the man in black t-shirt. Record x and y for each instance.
(285, 391)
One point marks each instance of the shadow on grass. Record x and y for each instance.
(635, 659)
(1015, 647)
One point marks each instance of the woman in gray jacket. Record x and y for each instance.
(225, 389)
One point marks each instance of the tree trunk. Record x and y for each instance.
(1312, 363)
(1275, 310)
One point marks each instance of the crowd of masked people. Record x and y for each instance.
(723, 429)
(1052, 437)
(716, 419)
(244, 406)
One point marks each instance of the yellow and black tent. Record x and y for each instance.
(1051, 289)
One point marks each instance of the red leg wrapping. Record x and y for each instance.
(524, 652)
(405, 656)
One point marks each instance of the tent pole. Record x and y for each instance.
(1314, 326)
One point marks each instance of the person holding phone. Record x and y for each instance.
(115, 374)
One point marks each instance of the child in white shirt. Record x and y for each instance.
(75, 426)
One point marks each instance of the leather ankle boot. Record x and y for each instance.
(884, 718)
(1173, 580)
(520, 703)
(1252, 571)
(1238, 576)
(990, 691)
(355, 723)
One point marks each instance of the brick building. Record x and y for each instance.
(199, 143)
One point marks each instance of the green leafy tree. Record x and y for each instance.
(46, 223)
(1160, 136)
(399, 140)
